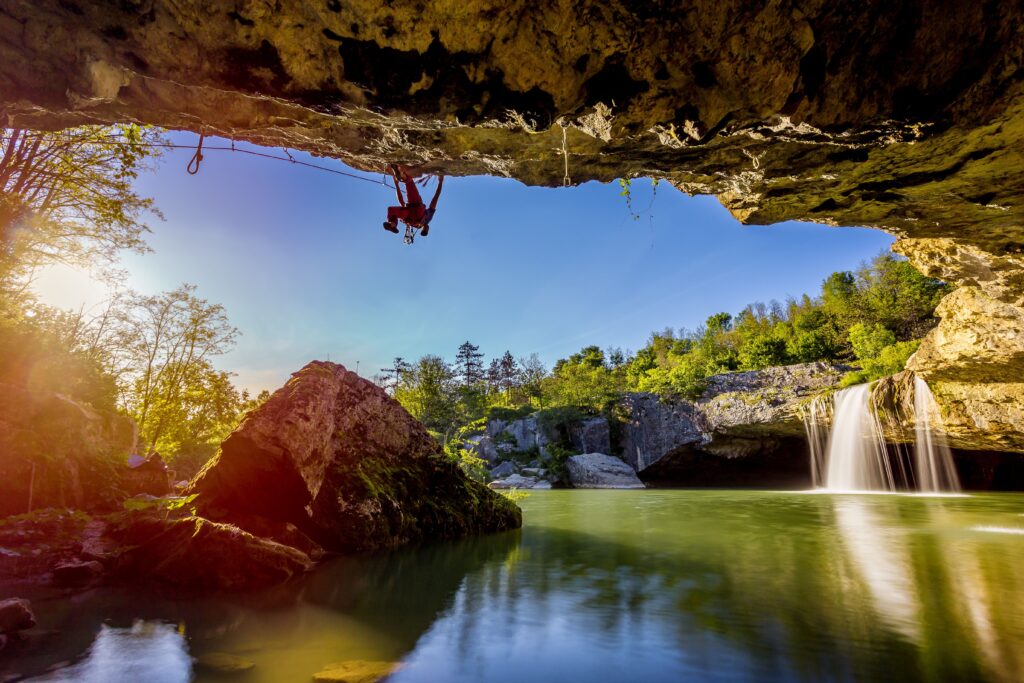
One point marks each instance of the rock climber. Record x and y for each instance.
(411, 210)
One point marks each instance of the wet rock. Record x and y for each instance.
(656, 428)
(76, 574)
(591, 435)
(600, 471)
(223, 663)
(199, 555)
(337, 457)
(16, 615)
(356, 671)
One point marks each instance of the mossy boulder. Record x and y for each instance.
(333, 454)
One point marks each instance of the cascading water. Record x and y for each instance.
(856, 459)
(933, 459)
(815, 416)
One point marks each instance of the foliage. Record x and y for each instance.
(869, 340)
(513, 494)
(67, 196)
(858, 315)
(889, 360)
(165, 504)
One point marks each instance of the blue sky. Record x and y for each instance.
(305, 270)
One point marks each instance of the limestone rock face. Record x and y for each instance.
(591, 435)
(337, 457)
(656, 428)
(842, 112)
(78, 452)
(739, 414)
(600, 471)
(764, 402)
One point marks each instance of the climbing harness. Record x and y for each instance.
(197, 158)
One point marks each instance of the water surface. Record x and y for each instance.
(657, 585)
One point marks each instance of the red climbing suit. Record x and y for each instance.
(411, 210)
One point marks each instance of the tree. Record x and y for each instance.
(508, 374)
(762, 352)
(66, 196)
(391, 377)
(869, 340)
(469, 364)
(533, 376)
(428, 391)
(168, 340)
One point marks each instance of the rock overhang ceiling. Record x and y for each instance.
(908, 117)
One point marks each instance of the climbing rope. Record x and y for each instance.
(202, 147)
(566, 180)
(197, 158)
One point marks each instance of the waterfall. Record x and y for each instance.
(815, 416)
(856, 459)
(933, 459)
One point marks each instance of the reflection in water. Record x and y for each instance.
(882, 557)
(624, 586)
(148, 651)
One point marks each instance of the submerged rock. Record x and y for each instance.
(356, 671)
(76, 574)
(333, 454)
(223, 663)
(600, 471)
(16, 615)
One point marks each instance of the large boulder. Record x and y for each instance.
(59, 453)
(600, 471)
(333, 454)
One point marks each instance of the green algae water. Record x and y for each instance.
(657, 585)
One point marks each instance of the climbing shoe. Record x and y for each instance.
(391, 227)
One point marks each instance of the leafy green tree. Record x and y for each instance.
(429, 390)
(67, 196)
(762, 352)
(869, 340)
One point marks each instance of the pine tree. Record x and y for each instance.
(469, 364)
(391, 377)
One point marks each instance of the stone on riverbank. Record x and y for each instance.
(198, 554)
(600, 471)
